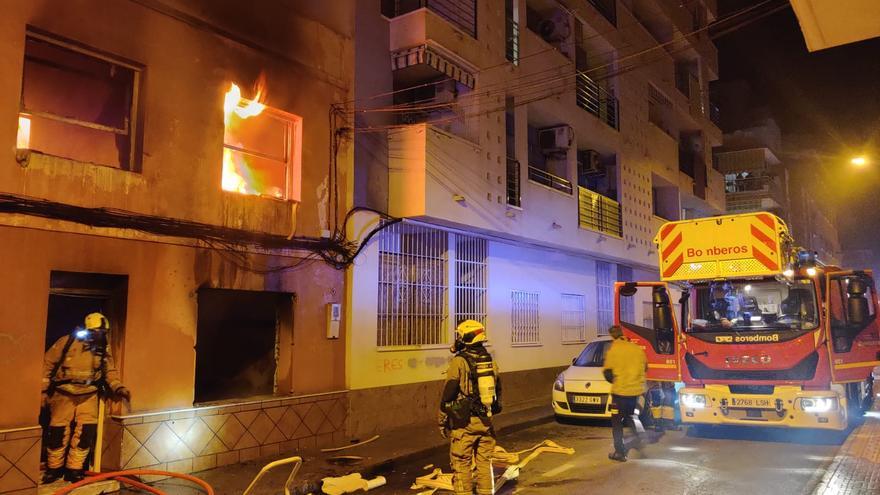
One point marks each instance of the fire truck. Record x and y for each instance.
(757, 331)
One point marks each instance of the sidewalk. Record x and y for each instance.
(856, 467)
(380, 456)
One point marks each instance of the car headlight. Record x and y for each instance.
(559, 384)
(818, 404)
(693, 401)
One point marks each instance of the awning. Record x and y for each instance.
(425, 55)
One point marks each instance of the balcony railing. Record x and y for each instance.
(595, 99)
(461, 13)
(514, 195)
(714, 114)
(596, 212)
(547, 179)
(608, 9)
(512, 44)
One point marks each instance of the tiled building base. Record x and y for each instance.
(20, 460)
(203, 438)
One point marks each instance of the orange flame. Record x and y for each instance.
(23, 139)
(234, 104)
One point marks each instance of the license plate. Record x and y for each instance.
(735, 402)
(587, 399)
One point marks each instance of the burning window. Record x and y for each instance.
(260, 148)
(77, 104)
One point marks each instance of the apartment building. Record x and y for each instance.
(755, 178)
(168, 163)
(532, 149)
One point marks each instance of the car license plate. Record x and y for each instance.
(587, 399)
(737, 402)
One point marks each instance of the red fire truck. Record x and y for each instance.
(758, 332)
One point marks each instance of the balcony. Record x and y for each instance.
(596, 100)
(461, 14)
(544, 178)
(596, 212)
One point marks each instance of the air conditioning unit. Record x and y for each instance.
(590, 164)
(555, 139)
(557, 27)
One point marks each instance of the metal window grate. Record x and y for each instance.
(524, 323)
(574, 318)
(595, 99)
(605, 296)
(596, 212)
(413, 305)
(514, 196)
(470, 278)
(512, 41)
(627, 304)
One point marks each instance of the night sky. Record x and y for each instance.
(829, 99)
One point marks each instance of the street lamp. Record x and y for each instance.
(859, 161)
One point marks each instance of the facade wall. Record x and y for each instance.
(451, 173)
(189, 52)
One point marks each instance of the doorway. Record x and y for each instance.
(73, 295)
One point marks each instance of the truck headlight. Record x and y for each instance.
(818, 404)
(693, 401)
(559, 384)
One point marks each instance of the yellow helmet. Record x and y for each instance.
(471, 332)
(97, 321)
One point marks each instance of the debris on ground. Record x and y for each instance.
(429, 466)
(345, 460)
(356, 444)
(438, 480)
(349, 484)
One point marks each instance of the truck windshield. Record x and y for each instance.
(755, 305)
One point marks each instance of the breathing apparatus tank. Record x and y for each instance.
(486, 383)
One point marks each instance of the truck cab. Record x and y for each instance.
(757, 335)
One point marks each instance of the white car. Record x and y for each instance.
(581, 391)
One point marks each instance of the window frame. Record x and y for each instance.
(607, 312)
(531, 304)
(292, 150)
(135, 114)
(568, 313)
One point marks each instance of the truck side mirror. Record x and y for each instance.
(662, 309)
(857, 303)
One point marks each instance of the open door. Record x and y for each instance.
(645, 313)
(851, 325)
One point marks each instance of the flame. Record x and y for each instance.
(234, 104)
(23, 140)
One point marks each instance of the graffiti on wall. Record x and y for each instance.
(396, 365)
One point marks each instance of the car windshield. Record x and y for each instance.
(754, 305)
(593, 354)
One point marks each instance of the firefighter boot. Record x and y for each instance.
(74, 475)
(52, 475)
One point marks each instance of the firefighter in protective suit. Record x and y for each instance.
(471, 395)
(78, 370)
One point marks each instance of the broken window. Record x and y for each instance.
(261, 148)
(77, 104)
(236, 343)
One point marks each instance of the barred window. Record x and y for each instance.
(605, 296)
(413, 308)
(524, 322)
(470, 278)
(574, 318)
(627, 304)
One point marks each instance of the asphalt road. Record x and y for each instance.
(750, 461)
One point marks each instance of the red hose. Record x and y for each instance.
(122, 476)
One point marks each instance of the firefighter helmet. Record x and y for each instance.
(470, 332)
(97, 321)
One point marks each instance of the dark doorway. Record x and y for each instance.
(236, 343)
(73, 295)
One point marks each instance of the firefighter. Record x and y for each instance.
(471, 396)
(625, 366)
(78, 371)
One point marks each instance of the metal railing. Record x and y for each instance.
(608, 9)
(595, 99)
(512, 44)
(514, 187)
(714, 114)
(461, 13)
(547, 179)
(596, 212)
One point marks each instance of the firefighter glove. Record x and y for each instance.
(123, 393)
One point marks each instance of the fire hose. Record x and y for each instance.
(123, 477)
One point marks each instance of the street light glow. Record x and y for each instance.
(859, 161)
